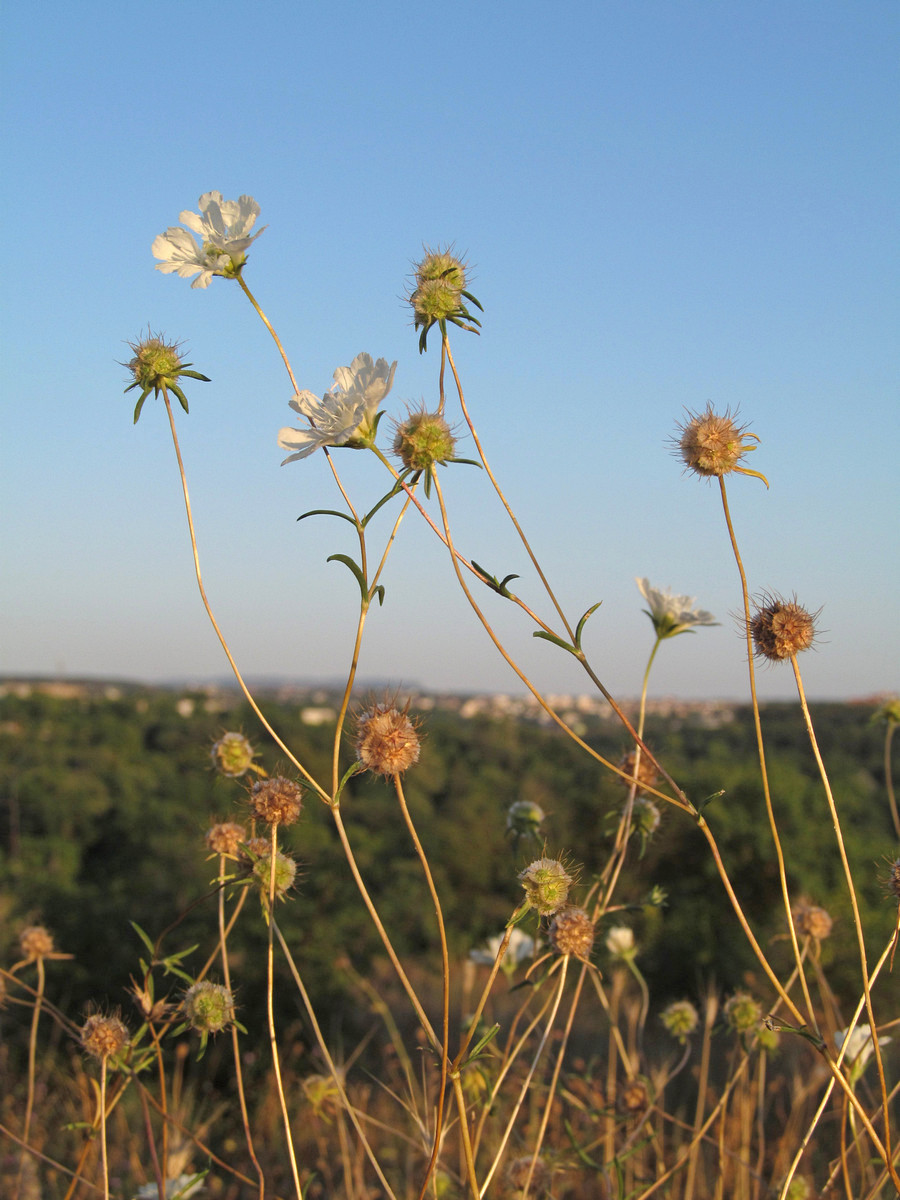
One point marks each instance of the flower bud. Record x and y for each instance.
(387, 741)
(620, 942)
(285, 873)
(572, 932)
(546, 882)
(524, 818)
(680, 1019)
(276, 801)
(782, 628)
(232, 755)
(208, 1007)
(422, 440)
(103, 1037)
(743, 1013)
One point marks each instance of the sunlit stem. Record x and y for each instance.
(32, 1063)
(234, 667)
(268, 324)
(761, 752)
(857, 920)
(888, 776)
(104, 1156)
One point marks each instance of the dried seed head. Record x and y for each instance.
(812, 921)
(743, 1013)
(103, 1037)
(892, 879)
(36, 942)
(232, 755)
(226, 838)
(572, 932)
(208, 1007)
(423, 439)
(713, 445)
(256, 847)
(387, 741)
(782, 628)
(285, 874)
(546, 882)
(276, 801)
(647, 774)
(518, 1172)
(633, 1097)
(680, 1019)
(524, 818)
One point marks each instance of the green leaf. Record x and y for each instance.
(495, 584)
(709, 800)
(476, 1051)
(326, 512)
(557, 641)
(173, 387)
(143, 936)
(384, 499)
(583, 622)
(379, 592)
(140, 404)
(357, 572)
(195, 375)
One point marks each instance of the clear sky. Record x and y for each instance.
(665, 202)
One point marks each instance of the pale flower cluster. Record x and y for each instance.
(223, 227)
(345, 414)
(859, 1045)
(671, 613)
(521, 947)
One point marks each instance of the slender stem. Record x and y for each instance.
(761, 752)
(857, 920)
(265, 320)
(32, 1062)
(104, 1157)
(247, 694)
(888, 776)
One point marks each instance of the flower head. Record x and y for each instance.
(223, 227)
(859, 1048)
(422, 440)
(713, 444)
(680, 1019)
(226, 837)
(438, 294)
(782, 628)
(524, 819)
(812, 921)
(387, 741)
(103, 1037)
(347, 415)
(572, 932)
(276, 801)
(233, 755)
(208, 1007)
(670, 613)
(546, 882)
(743, 1013)
(620, 942)
(36, 942)
(637, 773)
(519, 948)
(157, 367)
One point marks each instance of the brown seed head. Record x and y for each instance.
(572, 932)
(103, 1037)
(276, 801)
(226, 838)
(893, 879)
(782, 628)
(713, 444)
(387, 741)
(647, 774)
(812, 921)
(518, 1171)
(36, 942)
(634, 1097)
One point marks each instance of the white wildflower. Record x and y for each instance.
(670, 613)
(181, 1187)
(520, 948)
(223, 227)
(346, 414)
(859, 1046)
(620, 942)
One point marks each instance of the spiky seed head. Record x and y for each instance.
(572, 932)
(440, 278)
(713, 444)
(233, 755)
(226, 838)
(782, 628)
(156, 362)
(444, 265)
(518, 1172)
(646, 817)
(208, 1007)
(743, 1013)
(812, 921)
(285, 873)
(892, 879)
(103, 1036)
(387, 741)
(524, 818)
(647, 773)
(422, 440)
(546, 882)
(276, 801)
(36, 941)
(680, 1019)
(256, 847)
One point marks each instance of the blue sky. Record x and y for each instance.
(664, 203)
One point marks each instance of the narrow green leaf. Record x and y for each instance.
(395, 490)
(173, 387)
(143, 936)
(357, 572)
(557, 641)
(709, 799)
(583, 622)
(195, 375)
(379, 592)
(326, 512)
(140, 404)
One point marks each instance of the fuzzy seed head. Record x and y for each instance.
(156, 363)
(208, 1007)
(743, 1013)
(546, 882)
(647, 774)
(893, 879)
(646, 817)
(634, 1097)
(711, 444)
(103, 1037)
(572, 932)
(36, 942)
(680, 1019)
(782, 628)
(276, 801)
(387, 741)
(812, 921)
(423, 439)
(524, 818)
(226, 838)
(517, 1174)
(285, 873)
(232, 755)
(441, 265)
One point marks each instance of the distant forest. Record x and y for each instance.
(104, 803)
